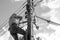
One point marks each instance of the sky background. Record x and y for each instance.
(7, 7)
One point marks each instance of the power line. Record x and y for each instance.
(19, 11)
(16, 11)
(25, 5)
(21, 6)
(3, 25)
(49, 21)
(6, 21)
(22, 11)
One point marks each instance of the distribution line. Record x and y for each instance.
(5, 29)
(25, 5)
(49, 21)
(6, 21)
(21, 6)
(19, 11)
(23, 11)
(3, 25)
(15, 11)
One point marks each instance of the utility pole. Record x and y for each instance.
(29, 8)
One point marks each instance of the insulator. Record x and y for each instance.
(26, 14)
(37, 27)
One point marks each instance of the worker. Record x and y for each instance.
(14, 28)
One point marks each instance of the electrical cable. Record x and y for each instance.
(18, 8)
(21, 6)
(3, 26)
(15, 11)
(25, 5)
(21, 9)
(48, 21)
(5, 22)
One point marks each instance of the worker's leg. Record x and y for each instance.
(13, 31)
(14, 35)
(25, 38)
(21, 31)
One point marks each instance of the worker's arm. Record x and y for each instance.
(18, 17)
(23, 22)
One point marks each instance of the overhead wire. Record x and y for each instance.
(15, 11)
(4, 23)
(18, 11)
(4, 26)
(21, 12)
(20, 6)
(21, 9)
(49, 21)
(25, 5)
(1, 26)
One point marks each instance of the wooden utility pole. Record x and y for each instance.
(29, 8)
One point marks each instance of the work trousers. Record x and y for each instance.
(14, 30)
